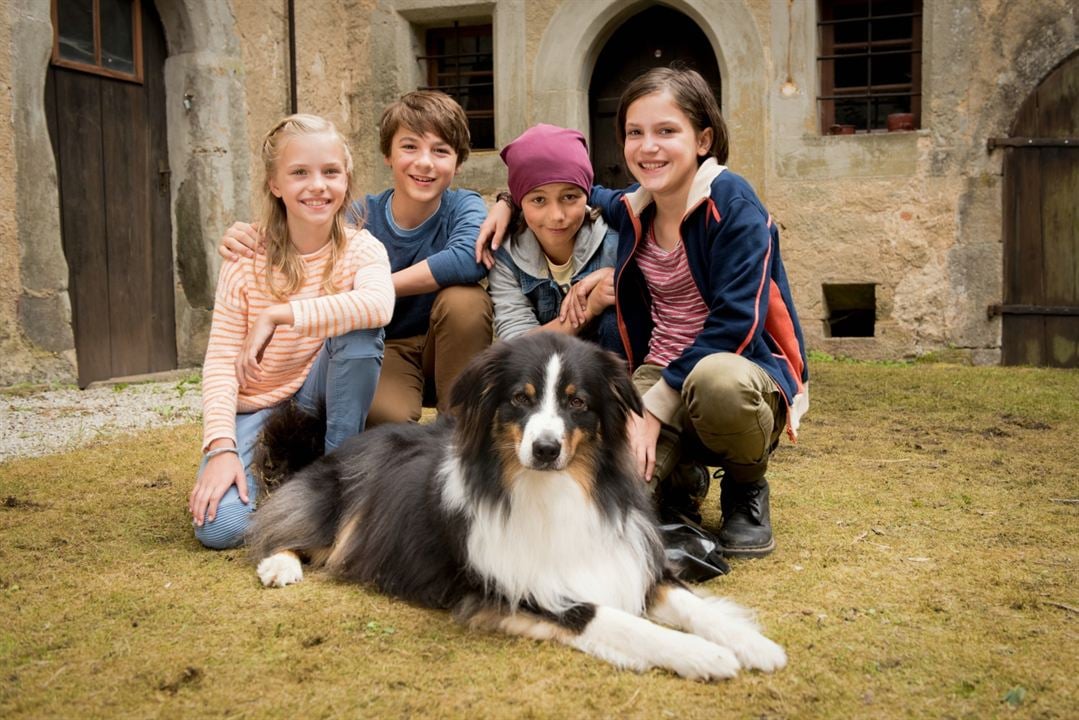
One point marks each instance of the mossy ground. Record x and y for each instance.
(926, 567)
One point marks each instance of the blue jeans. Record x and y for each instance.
(344, 376)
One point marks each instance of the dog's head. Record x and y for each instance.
(544, 400)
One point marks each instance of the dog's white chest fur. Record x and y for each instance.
(554, 547)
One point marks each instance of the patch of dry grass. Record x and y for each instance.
(925, 568)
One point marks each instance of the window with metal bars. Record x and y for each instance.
(102, 37)
(460, 63)
(870, 65)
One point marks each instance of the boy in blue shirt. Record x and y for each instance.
(442, 317)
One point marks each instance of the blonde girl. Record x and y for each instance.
(304, 321)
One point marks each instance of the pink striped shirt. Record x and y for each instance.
(678, 310)
(365, 301)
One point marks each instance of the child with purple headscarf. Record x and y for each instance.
(557, 243)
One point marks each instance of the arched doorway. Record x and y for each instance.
(654, 37)
(1041, 225)
(105, 106)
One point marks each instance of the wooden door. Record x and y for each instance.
(1041, 226)
(655, 37)
(108, 134)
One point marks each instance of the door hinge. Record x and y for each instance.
(1056, 310)
(164, 175)
(1028, 142)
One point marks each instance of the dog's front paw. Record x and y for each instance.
(732, 626)
(280, 570)
(756, 652)
(699, 659)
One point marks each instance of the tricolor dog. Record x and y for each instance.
(521, 513)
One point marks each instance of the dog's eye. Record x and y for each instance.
(521, 399)
(577, 403)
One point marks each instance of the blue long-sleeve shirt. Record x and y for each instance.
(446, 240)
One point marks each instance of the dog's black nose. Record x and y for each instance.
(546, 450)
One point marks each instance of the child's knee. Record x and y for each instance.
(726, 389)
(227, 528)
(464, 309)
(731, 406)
(358, 344)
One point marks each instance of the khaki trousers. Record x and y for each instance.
(423, 367)
(732, 416)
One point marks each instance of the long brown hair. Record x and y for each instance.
(281, 255)
(691, 94)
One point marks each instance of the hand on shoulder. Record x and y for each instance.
(241, 240)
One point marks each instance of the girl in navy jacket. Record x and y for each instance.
(704, 309)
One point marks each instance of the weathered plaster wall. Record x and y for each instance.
(262, 32)
(10, 347)
(209, 153)
(916, 213)
(36, 341)
(9, 240)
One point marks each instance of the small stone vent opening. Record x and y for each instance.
(850, 310)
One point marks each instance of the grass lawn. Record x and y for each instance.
(927, 530)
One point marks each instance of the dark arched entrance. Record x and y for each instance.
(655, 37)
(105, 106)
(1041, 225)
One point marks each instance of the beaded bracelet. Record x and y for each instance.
(217, 451)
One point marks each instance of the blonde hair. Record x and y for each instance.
(281, 254)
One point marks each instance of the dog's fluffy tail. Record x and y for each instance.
(291, 439)
(300, 516)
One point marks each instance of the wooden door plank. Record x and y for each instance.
(83, 218)
(1057, 97)
(1058, 109)
(1027, 340)
(1060, 226)
(162, 283)
(127, 213)
(1020, 177)
(1023, 339)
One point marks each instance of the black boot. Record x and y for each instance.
(747, 527)
(683, 492)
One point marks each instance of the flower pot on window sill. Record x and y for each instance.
(900, 122)
(841, 130)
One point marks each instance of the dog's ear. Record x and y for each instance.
(472, 398)
(621, 383)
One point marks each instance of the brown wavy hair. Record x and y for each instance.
(426, 111)
(282, 259)
(691, 94)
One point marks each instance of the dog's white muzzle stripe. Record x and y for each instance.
(543, 442)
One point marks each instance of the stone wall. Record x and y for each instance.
(36, 341)
(917, 214)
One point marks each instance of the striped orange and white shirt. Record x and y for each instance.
(365, 301)
(678, 310)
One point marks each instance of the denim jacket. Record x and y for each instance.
(524, 294)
